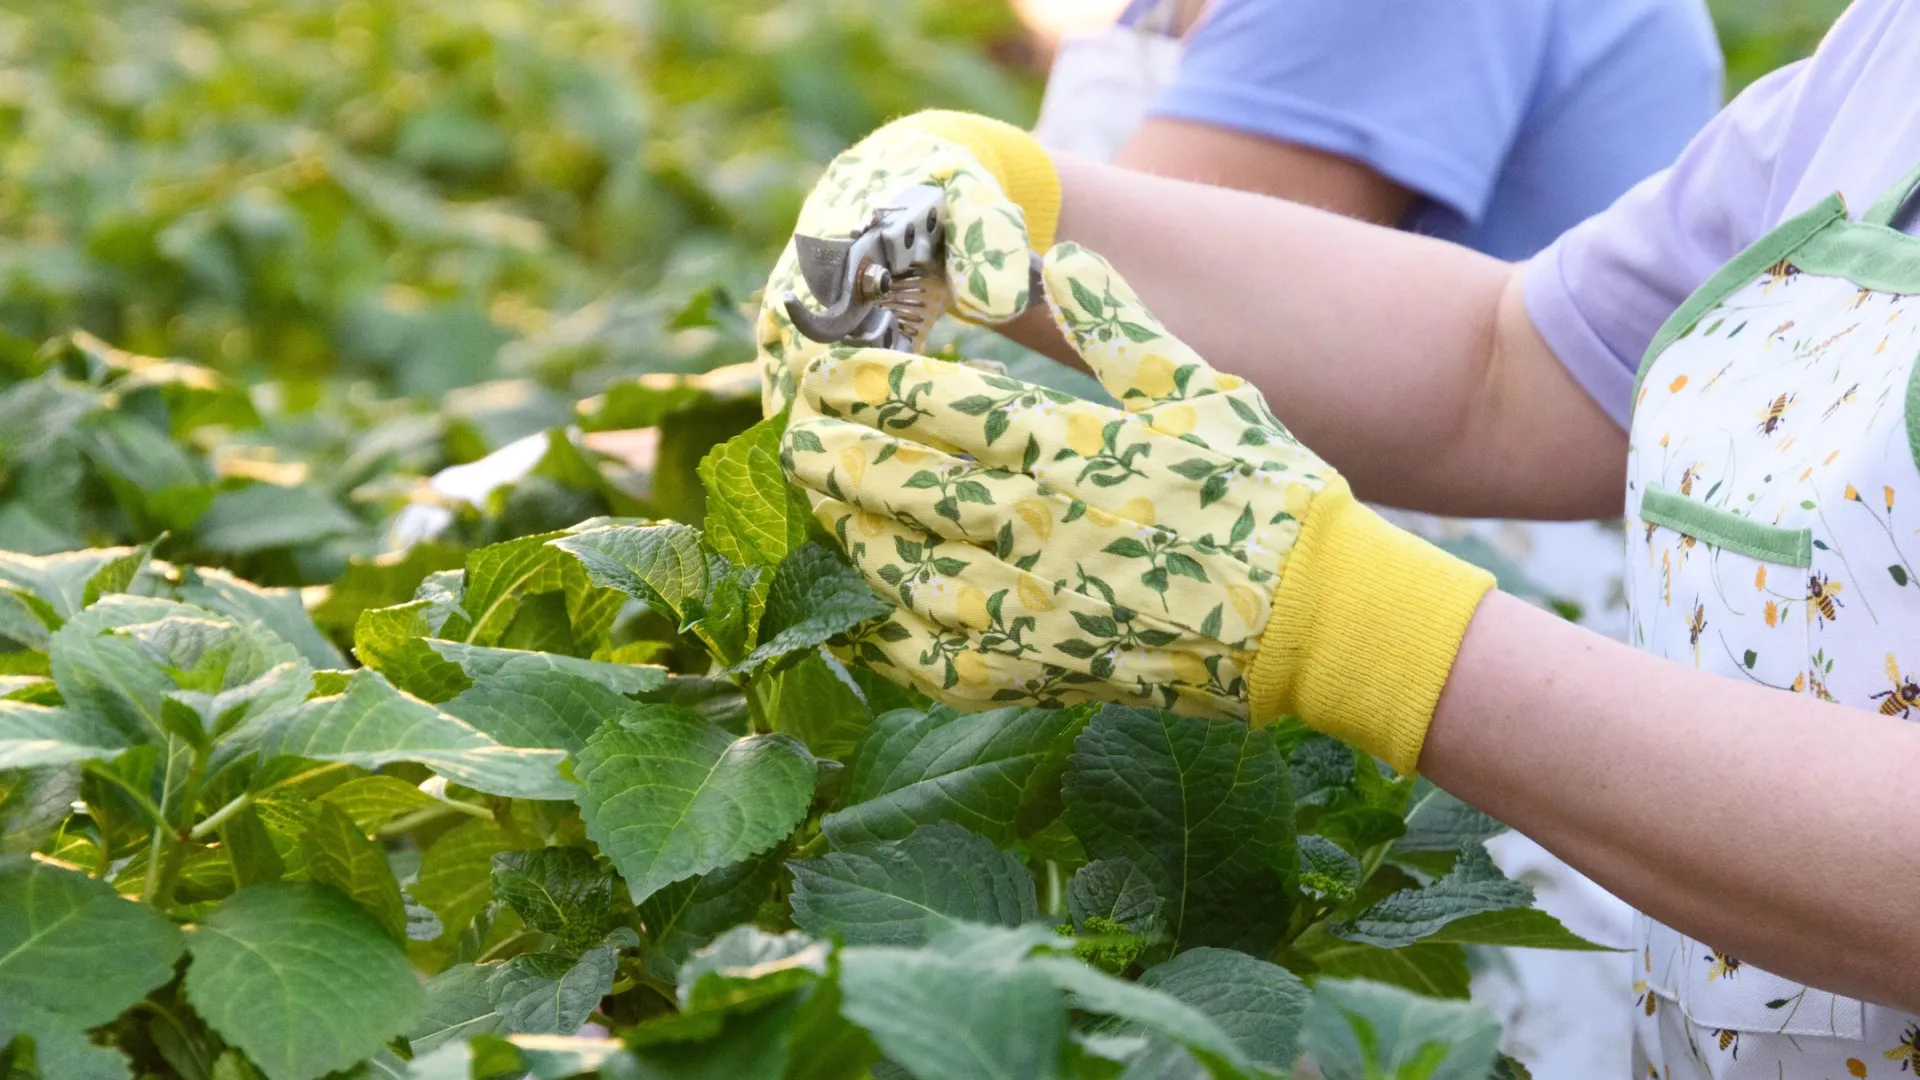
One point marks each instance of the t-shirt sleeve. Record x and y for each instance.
(1430, 95)
(1600, 292)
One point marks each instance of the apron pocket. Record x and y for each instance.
(1723, 529)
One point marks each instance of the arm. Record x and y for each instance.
(1409, 363)
(1761, 822)
(1207, 154)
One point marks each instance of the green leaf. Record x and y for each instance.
(754, 516)
(531, 701)
(1425, 967)
(818, 701)
(63, 584)
(36, 735)
(668, 795)
(1364, 1031)
(279, 611)
(747, 965)
(901, 891)
(391, 642)
(1327, 872)
(1117, 891)
(946, 1019)
(814, 597)
(549, 993)
(1474, 887)
(1202, 807)
(1898, 573)
(301, 978)
(111, 678)
(264, 516)
(661, 565)
(1440, 822)
(339, 854)
(561, 891)
(458, 1007)
(1259, 1005)
(373, 724)
(456, 874)
(685, 916)
(983, 771)
(73, 955)
(1520, 928)
(482, 664)
(382, 581)
(1141, 1007)
(500, 576)
(372, 801)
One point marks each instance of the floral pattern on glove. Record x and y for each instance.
(987, 261)
(1042, 548)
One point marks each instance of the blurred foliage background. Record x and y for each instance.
(1760, 35)
(382, 237)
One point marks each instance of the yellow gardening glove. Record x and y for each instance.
(1002, 197)
(1186, 552)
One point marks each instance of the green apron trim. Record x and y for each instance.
(1871, 256)
(1726, 529)
(1888, 204)
(1738, 274)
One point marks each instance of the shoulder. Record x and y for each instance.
(1676, 37)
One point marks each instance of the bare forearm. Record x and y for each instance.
(1408, 362)
(1772, 826)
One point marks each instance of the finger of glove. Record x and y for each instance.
(1100, 455)
(1149, 370)
(953, 668)
(988, 265)
(1112, 558)
(1008, 612)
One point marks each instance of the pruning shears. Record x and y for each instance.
(885, 285)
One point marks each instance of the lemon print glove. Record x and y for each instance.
(1002, 196)
(1183, 551)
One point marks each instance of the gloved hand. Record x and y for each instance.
(1002, 197)
(1187, 552)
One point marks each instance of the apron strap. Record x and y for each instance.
(1899, 207)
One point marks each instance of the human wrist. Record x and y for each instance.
(1366, 625)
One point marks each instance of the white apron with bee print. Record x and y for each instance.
(1773, 506)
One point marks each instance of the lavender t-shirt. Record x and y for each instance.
(1847, 119)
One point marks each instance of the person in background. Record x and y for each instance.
(1498, 126)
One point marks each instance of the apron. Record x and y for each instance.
(1773, 501)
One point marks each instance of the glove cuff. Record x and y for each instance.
(1015, 159)
(1365, 627)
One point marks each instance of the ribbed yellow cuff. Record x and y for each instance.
(1365, 627)
(1015, 159)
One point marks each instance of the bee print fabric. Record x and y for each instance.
(1773, 510)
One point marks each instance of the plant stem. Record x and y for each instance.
(510, 946)
(427, 814)
(219, 817)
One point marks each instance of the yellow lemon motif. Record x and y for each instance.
(870, 382)
(1101, 517)
(972, 668)
(1154, 376)
(1038, 516)
(871, 525)
(1139, 508)
(907, 455)
(1033, 594)
(1228, 383)
(854, 463)
(1298, 496)
(1189, 668)
(1083, 434)
(1246, 603)
(971, 608)
(1174, 420)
